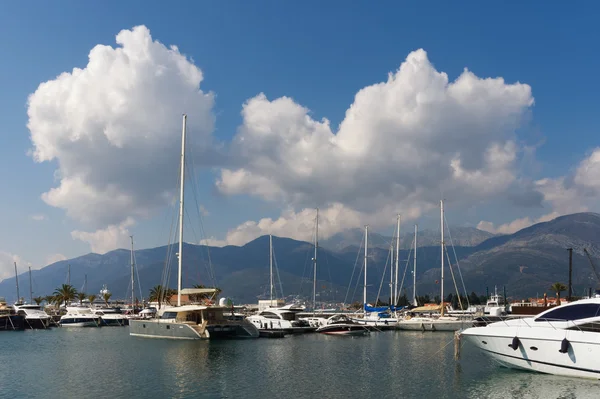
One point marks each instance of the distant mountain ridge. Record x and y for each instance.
(460, 236)
(526, 262)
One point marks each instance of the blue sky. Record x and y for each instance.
(318, 53)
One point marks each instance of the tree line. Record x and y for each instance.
(66, 293)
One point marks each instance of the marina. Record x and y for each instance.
(328, 201)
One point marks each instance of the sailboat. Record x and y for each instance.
(279, 317)
(191, 321)
(433, 318)
(374, 316)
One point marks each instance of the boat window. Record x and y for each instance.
(288, 316)
(270, 315)
(574, 312)
(590, 327)
(169, 315)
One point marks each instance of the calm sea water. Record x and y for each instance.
(107, 362)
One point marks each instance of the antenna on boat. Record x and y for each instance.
(181, 192)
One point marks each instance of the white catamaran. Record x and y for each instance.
(191, 321)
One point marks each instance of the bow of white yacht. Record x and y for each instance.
(564, 340)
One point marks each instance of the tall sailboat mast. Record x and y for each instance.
(391, 273)
(17, 280)
(69, 274)
(132, 278)
(181, 193)
(415, 271)
(442, 253)
(397, 261)
(30, 287)
(365, 283)
(271, 265)
(315, 262)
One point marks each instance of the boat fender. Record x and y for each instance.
(564, 346)
(515, 343)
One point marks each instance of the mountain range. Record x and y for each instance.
(526, 263)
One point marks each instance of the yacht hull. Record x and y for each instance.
(120, 322)
(540, 353)
(433, 325)
(164, 329)
(37, 323)
(379, 324)
(12, 322)
(87, 323)
(343, 329)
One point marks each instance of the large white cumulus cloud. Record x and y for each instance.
(402, 144)
(113, 128)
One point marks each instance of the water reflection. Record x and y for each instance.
(506, 383)
(108, 362)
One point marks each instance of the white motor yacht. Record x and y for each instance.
(341, 324)
(283, 318)
(35, 317)
(111, 317)
(493, 307)
(564, 340)
(79, 316)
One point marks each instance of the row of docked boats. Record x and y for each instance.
(29, 316)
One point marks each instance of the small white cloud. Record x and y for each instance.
(213, 242)
(53, 258)
(515, 225)
(38, 217)
(104, 240)
(203, 211)
(7, 265)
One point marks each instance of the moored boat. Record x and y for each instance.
(79, 316)
(561, 341)
(193, 321)
(35, 317)
(342, 325)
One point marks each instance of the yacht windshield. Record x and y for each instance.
(574, 312)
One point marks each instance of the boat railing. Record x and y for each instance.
(542, 323)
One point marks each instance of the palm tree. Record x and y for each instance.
(81, 296)
(558, 288)
(49, 299)
(106, 296)
(91, 298)
(38, 300)
(66, 293)
(156, 294)
(169, 293)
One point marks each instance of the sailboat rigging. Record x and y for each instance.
(191, 321)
